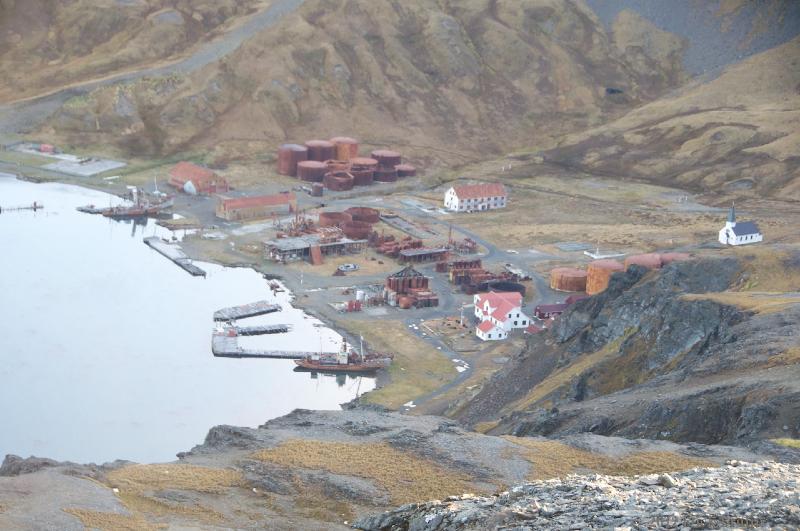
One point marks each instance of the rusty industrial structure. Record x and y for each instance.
(568, 279)
(409, 288)
(311, 171)
(186, 175)
(321, 150)
(648, 261)
(599, 273)
(255, 207)
(346, 147)
(289, 155)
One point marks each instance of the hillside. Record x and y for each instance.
(450, 80)
(690, 353)
(46, 45)
(738, 133)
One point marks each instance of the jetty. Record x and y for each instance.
(261, 330)
(244, 311)
(225, 345)
(35, 206)
(174, 253)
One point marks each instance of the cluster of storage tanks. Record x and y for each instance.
(407, 292)
(356, 222)
(335, 163)
(596, 277)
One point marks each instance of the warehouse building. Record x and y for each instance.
(475, 197)
(256, 207)
(194, 179)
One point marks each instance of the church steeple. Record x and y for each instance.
(732, 215)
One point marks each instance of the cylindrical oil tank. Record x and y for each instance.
(362, 177)
(311, 170)
(405, 170)
(316, 189)
(405, 302)
(599, 273)
(338, 181)
(385, 175)
(321, 150)
(668, 258)
(333, 219)
(337, 165)
(363, 163)
(386, 158)
(365, 214)
(356, 230)
(288, 157)
(346, 147)
(568, 279)
(650, 261)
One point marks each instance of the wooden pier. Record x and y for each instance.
(224, 345)
(261, 330)
(174, 253)
(35, 206)
(246, 310)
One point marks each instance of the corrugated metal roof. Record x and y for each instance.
(486, 326)
(422, 251)
(186, 171)
(257, 201)
(478, 191)
(744, 228)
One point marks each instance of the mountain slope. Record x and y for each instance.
(646, 359)
(736, 133)
(466, 78)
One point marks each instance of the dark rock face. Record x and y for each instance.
(14, 465)
(642, 360)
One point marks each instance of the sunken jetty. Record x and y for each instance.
(225, 344)
(174, 253)
(244, 311)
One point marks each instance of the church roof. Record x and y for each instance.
(744, 228)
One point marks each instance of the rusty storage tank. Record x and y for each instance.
(338, 181)
(363, 163)
(316, 190)
(385, 175)
(288, 157)
(337, 165)
(405, 170)
(568, 279)
(668, 258)
(321, 150)
(311, 170)
(649, 260)
(405, 302)
(599, 273)
(365, 214)
(362, 177)
(386, 158)
(346, 147)
(502, 286)
(333, 219)
(356, 230)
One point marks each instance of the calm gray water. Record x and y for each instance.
(105, 344)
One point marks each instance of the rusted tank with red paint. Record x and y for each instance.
(338, 181)
(321, 150)
(405, 170)
(362, 177)
(337, 165)
(649, 261)
(334, 219)
(365, 214)
(406, 302)
(346, 147)
(363, 163)
(316, 189)
(357, 230)
(599, 274)
(385, 175)
(311, 170)
(668, 258)
(289, 155)
(386, 158)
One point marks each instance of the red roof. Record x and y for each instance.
(502, 302)
(186, 171)
(486, 326)
(478, 191)
(533, 329)
(258, 200)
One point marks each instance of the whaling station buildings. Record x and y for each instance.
(739, 233)
(475, 197)
(499, 313)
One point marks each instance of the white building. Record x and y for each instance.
(475, 197)
(741, 233)
(499, 314)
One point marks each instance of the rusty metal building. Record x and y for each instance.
(256, 207)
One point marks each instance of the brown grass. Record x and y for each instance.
(755, 301)
(551, 459)
(112, 521)
(406, 477)
(140, 478)
(312, 502)
(791, 443)
(417, 369)
(768, 270)
(790, 357)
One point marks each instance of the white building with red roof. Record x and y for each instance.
(475, 197)
(197, 179)
(499, 313)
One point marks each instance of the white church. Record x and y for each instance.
(741, 233)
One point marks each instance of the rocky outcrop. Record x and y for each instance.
(739, 495)
(641, 360)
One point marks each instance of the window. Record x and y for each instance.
(524, 322)
(515, 323)
(490, 336)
